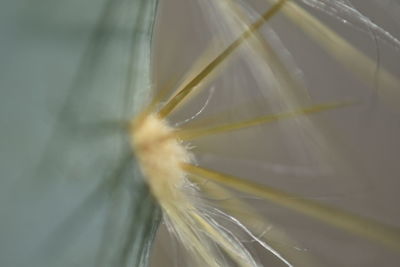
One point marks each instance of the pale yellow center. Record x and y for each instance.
(159, 154)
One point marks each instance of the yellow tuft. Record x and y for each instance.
(159, 156)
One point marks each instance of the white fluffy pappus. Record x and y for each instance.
(270, 91)
(241, 37)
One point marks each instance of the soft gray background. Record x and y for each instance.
(363, 137)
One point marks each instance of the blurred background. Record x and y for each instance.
(346, 157)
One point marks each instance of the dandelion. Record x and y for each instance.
(236, 127)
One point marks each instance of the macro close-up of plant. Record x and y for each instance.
(200, 133)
